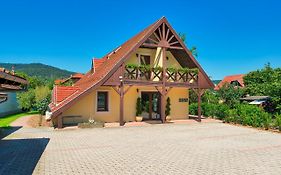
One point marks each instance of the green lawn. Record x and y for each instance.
(7, 120)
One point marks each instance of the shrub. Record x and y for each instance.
(267, 120)
(221, 111)
(231, 116)
(278, 121)
(168, 107)
(193, 107)
(138, 107)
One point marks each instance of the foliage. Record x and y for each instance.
(42, 105)
(26, 99)
(266, 81)
(193, 49)
(250, 115)
(168, 107)
(278, 121)
(37, 96)
(138, 107)
(41, 93)
(39, 70)
(209, 109)
(230, 95)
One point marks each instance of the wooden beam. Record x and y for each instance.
(116, 90)
(199, 106)
(127, 89)
(156, 42)
(60, 124)
(121, 90)
(167, 35)
(175, 47)
(163, 94)
(171, 38)
(150, 45)
(156, 36)
(176, 42)
(160, 33)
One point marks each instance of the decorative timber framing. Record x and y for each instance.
(111, 73)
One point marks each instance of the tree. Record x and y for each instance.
(193, 49)
(267, 82)
(230, 95)
(26, 100)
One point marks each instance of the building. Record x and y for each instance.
(153, 65)
(70, 80)
(236, 80)
(9, 85)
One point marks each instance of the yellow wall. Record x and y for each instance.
(86, 107)
(171, 62)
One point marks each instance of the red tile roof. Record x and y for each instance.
(229, 79)
(60, 93)
(96, 62)
(77, 75)
(105, 67)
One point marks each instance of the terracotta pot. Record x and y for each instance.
(138, 118)
(168, 118)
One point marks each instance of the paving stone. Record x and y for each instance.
(187, 148)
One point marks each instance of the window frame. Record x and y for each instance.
(106, 101)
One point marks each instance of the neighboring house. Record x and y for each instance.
(70, 80)
(236, 80)
(256, 100)
(153, 65)
(9, 85)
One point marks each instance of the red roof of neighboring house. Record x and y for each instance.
(77, 75)
(59, 81)
(231, 78)
(91, 80)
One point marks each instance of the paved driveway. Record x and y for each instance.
(203, 148)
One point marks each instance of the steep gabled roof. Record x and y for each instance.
(229, 79)
(113, 60)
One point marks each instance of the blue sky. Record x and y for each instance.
(232, 37)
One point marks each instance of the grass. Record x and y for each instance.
(7, 120)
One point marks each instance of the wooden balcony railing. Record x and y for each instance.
(148, 73)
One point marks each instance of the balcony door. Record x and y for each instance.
(144, 59)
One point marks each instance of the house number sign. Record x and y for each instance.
(183, 99)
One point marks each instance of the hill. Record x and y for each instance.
(38, 69)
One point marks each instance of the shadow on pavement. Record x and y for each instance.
(20, 156)
(5, 131)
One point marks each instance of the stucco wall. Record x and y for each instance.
(86, 107)
(10, 106)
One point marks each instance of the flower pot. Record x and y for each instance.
(168, 118)
(138, 118)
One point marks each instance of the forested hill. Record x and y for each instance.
(38, 69)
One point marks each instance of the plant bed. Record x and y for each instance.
(91, 125)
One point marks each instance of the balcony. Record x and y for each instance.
(155, 74)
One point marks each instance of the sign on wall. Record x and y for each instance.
(183, 99)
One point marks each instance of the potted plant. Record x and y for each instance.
(168, 110)
(138, 110)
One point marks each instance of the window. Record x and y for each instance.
(144, 60)
(102, 101)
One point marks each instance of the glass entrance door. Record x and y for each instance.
(151, 105)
